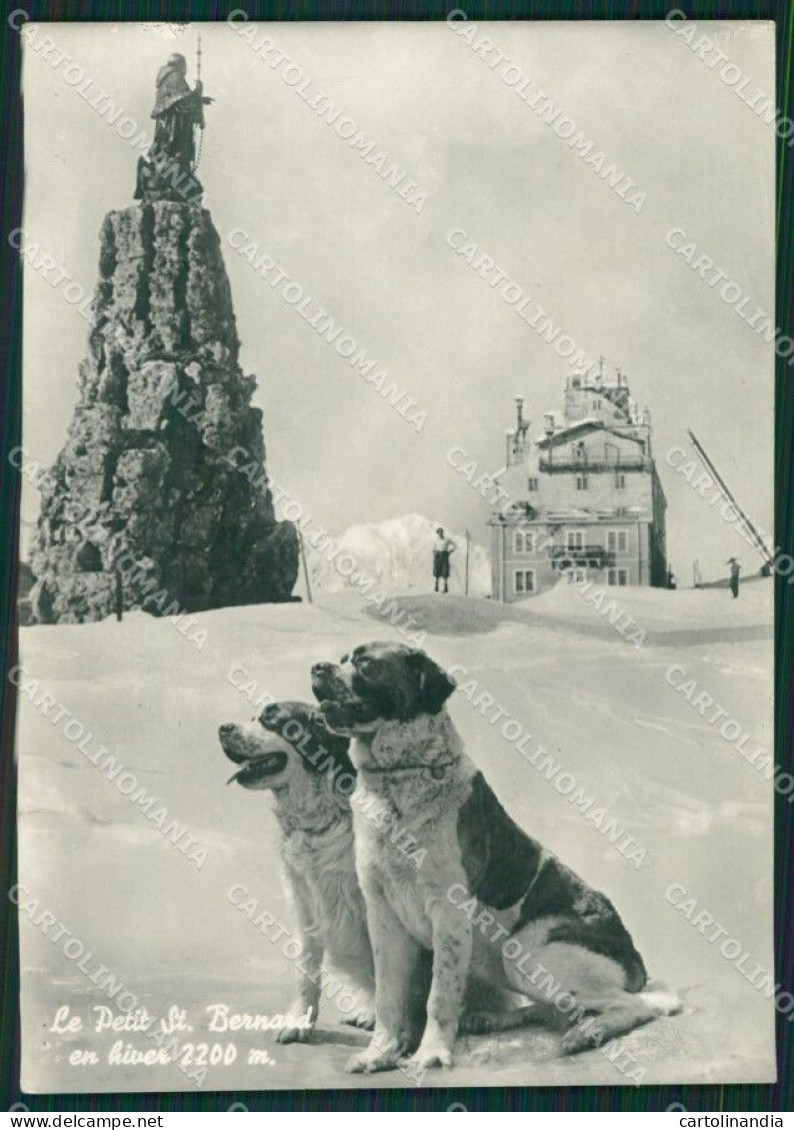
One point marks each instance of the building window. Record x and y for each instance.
(576, 576)
(523, 581)
(618, 576)
(574, 539)
(618, 541)
(620, 481)
(532, 484)
(523, 541)
(581, 482)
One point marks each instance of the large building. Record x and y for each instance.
(583, 499)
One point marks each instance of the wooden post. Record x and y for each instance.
(305, 566)
(502, 563)
(467, 562)
(119, 593)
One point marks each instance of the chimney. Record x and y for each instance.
(516, 440)
(520, 427)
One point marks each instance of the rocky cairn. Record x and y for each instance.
(147, 496)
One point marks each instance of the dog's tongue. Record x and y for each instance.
(251, 771)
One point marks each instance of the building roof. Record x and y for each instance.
(584, 427)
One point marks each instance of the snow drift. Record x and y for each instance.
(398, 555)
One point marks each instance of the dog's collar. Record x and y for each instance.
(314, 833)
(436, 769)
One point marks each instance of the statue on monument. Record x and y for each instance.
(168, 172)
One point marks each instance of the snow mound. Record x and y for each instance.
(663, 609)
(397, 554)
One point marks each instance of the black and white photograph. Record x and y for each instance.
(397, 555)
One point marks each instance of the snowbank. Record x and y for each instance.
(398, 555)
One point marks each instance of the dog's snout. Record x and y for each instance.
(322, 668)
(226, 728)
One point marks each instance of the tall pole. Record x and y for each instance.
(197, 158)
(467, 562)
(305, 567)
(754, 534)
(118, 592)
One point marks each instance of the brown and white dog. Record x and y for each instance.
(288, 750)
(483, 882)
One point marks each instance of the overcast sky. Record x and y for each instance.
(490, 166)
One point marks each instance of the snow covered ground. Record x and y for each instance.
(603, 708)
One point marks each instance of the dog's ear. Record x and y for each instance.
(335, 745)
(273, 716)
(434, 684)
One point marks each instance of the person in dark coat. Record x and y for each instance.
(734, 578)
(443, 548)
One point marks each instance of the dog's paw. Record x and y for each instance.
(430, 1053)
(371, 1060)
(578, 1040)
(363, 1017)
(293, 1033)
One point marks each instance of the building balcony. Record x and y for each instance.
(595, 466)
(594, 556)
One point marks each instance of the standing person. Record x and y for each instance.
(735, 567)
(168, 169)
(443, 548)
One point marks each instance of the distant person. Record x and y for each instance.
(443, 548)
(672, 583)
(734, 582)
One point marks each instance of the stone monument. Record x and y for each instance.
(145, 507)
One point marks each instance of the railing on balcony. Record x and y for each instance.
(595, 466)
(594, 556)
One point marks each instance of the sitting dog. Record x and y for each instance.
(488, 900)
(287, 751)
